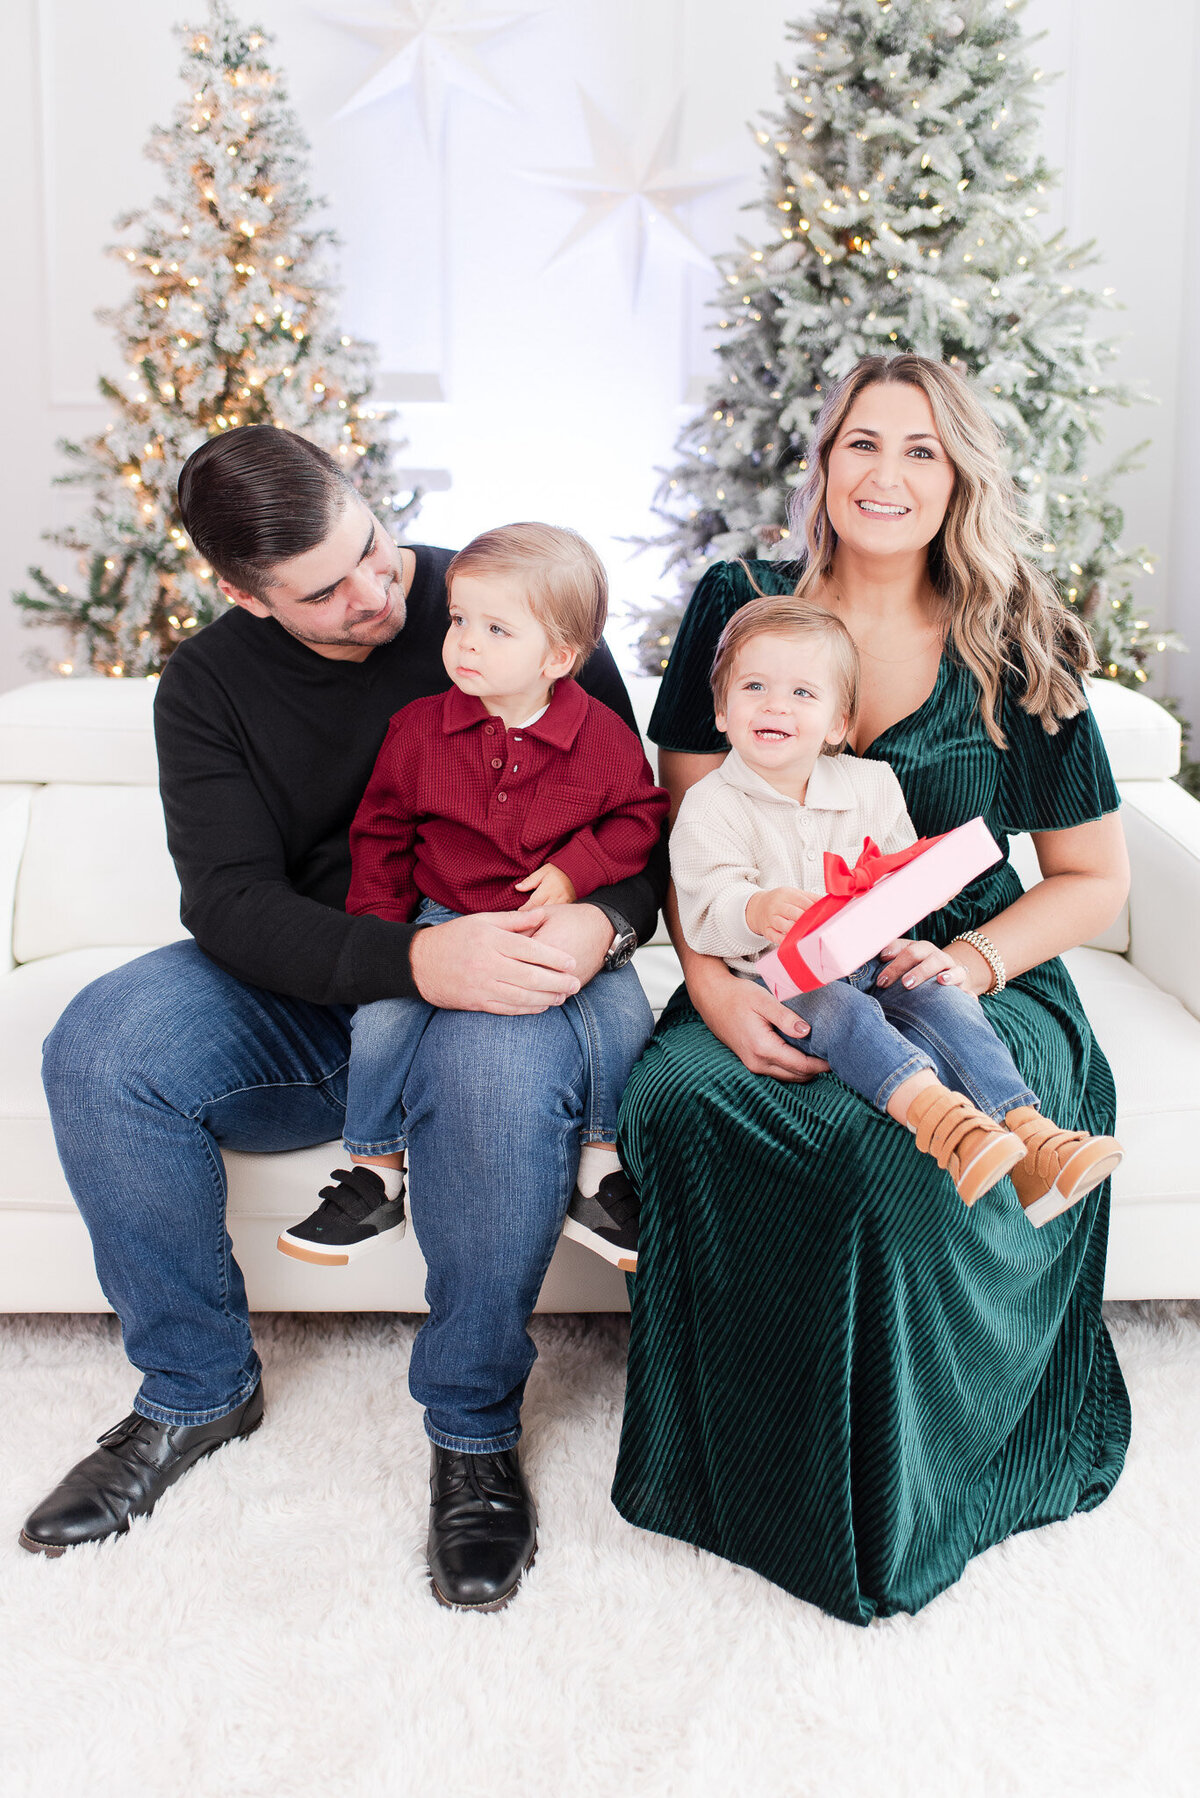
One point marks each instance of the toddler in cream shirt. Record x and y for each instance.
(737, 834)
(747, 857)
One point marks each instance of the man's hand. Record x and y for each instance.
(748, 1019)
(547, 885)
(497, 961)
(772, 914)
(583, 931)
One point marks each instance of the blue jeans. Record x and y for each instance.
(610, 1016)
(875, 1039)
(155, 1068)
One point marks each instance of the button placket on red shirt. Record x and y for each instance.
(498, 762)
(502, 762)
(501, 769)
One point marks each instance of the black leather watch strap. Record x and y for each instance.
(624, 939)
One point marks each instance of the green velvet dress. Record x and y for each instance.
(839, 1375)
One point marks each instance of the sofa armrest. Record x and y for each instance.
(14, 828)
(1162, 829)
(1141, 736)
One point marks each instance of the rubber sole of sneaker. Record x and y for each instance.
(493, 1604)
(1060, 1198)
(52, 1550)
(999, 1157)
(342, 1256)
(611, 1251)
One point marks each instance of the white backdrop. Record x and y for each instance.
(529, 390)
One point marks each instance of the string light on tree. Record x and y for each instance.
(903, 194)
(230, 322)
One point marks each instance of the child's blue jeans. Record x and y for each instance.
(875, 1039)
(610, 1017)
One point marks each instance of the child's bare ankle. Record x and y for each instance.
(900, 1101)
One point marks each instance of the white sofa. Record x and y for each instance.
(86, 883)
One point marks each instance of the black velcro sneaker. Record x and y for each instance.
(355, 1216)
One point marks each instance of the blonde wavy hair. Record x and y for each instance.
(1002, 613)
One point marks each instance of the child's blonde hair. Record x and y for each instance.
(564, 580)
(781, 615)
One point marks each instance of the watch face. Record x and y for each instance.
(623, 946)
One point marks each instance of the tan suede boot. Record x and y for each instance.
(1060, 1166)
(975, 1151)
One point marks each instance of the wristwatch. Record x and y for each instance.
(624, 942)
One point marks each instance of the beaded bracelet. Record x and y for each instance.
(985, 947)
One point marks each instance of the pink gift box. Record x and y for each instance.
(860, 926)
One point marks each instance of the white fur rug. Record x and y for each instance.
(269, 1632)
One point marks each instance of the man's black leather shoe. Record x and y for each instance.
(127, 1475)
(482, 1528)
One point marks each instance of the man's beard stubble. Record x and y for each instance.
(349, 638)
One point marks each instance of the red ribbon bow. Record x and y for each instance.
(842, 883)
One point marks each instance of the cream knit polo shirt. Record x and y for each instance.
(736, 836)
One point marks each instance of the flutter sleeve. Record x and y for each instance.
(1051, 782)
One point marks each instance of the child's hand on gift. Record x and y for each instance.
(772, 914)
(547, 885)
(913, 963)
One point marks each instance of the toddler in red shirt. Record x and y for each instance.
(514, 789)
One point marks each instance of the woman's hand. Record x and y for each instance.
(748, 1020)
(1085, 881)
(772, 914)
(547, 885)
(913, 963)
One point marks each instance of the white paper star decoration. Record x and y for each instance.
(428, 46)
(634, 197)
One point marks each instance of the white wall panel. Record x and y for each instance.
(89, 153)
(1121, 123)
(546, 391)
(1184, 545)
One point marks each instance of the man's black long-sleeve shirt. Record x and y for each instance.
(264, 750)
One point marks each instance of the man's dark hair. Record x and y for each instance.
(256, 496)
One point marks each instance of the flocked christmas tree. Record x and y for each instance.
(231, 322)
(905, 194)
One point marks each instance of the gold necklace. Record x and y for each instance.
(936, 634)
(899, 661)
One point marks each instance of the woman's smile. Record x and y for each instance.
(880, 508)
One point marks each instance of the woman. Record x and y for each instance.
(838, 1374)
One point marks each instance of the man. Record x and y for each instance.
(268, 724)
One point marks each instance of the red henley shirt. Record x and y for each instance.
(459, 809)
